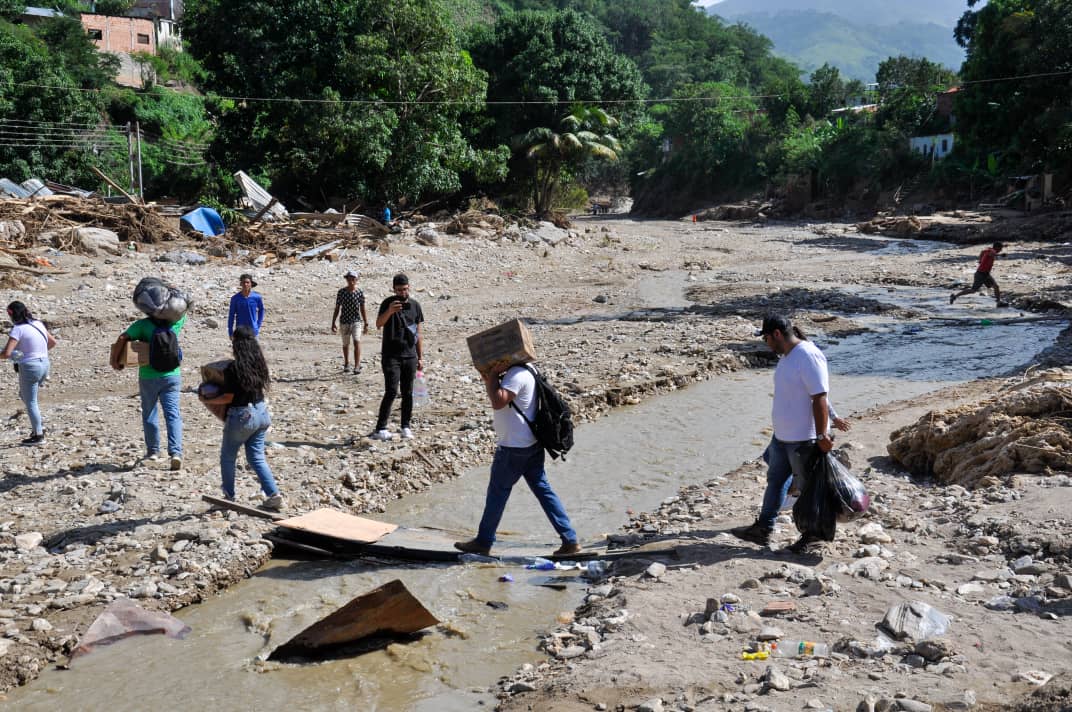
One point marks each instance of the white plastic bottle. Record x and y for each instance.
(420, 391)
(800, 649)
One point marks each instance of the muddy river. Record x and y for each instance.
(629, 460)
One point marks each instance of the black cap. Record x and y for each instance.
(244, 277)
(774, 322)
(400, 280)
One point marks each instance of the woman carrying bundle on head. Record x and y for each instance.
(28, 347)
(246, 422)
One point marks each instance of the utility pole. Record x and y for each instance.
(141, 185)
(130, 155)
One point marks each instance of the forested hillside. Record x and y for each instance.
(811, 39)
(860, 12)
(536, 103)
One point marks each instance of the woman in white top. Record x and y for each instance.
(31, 339)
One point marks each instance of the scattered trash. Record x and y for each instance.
(800, 649)
(123, 618)
(497, 605)
(541, 564)
(259, 200)
(775, 608)
(506, 578)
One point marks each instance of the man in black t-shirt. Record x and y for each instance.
(400, 318)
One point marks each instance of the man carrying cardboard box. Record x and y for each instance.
(155, 385)
(512, 393)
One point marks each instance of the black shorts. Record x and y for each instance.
(983, 279)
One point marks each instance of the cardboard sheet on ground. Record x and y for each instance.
(124, 618)
(339, 525)
(386, 612)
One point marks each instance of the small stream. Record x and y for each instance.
(630, 460)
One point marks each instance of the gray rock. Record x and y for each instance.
(652, 705)
(92, 240)
(751, 583)
(159, 554)
(966, 701)
(1001, 603)
(970, 589)
(776, 679)
(908, 705)
(573, 651)
(656, 570)
(992, 575)
(41, 625)
(211, 323)
(28, 541)
(770, 633)
(915, 661)
(934, 650)
(870, 567)
(1063, 581)
(521, 687)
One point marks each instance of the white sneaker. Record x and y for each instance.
(407, 434)
(382, 435)
(273, 503)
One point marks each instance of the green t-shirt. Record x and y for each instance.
(142, 330)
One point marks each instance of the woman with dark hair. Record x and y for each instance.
(246, 421)
(28, 346)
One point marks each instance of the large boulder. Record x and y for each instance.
(90, 240)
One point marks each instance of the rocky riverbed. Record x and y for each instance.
(86, 520)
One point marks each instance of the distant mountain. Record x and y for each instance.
(857, 37)
(860, 12)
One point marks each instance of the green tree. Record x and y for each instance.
(52, 95)
(583, 134)
(1025, 120)
(907, 87)
(350, 99)
(540, 63)
(826, 91)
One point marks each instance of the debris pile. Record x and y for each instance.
(1022, 430)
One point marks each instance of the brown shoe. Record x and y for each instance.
(472, 547)
(568, 548)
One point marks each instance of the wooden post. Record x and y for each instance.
(112, 183)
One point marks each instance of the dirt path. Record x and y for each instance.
(612, 325)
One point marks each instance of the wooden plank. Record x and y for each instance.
(241, 508)
(262, 211)
(322, 217)
(390, 610)
(115, 185)
(339, 525)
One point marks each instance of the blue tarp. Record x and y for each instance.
(204, 220)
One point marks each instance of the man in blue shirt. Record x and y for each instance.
(247, 307)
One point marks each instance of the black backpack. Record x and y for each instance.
(553, 424)
(164, 352)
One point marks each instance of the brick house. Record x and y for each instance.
(122, 36)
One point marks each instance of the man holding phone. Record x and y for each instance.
(402, 354)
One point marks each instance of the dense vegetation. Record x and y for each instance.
(366, 102)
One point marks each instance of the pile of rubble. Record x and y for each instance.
(1023, 429)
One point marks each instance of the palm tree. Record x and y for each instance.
(583, 133)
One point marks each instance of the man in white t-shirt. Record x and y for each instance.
(513, 393)
(801, 415)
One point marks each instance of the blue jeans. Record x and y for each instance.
(784, 460)
(32, 373)
(165, 391)
(508, 466)
(246, 425)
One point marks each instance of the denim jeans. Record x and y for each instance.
(165, 391)
(397, 373)
(32, 373)
(508, 466)
(246, 425)
(784, 460)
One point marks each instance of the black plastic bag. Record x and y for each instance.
(816, 512)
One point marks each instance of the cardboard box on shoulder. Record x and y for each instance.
(213, 372)
(137, 353)
(502, 346)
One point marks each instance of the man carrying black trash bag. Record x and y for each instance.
(801, 415)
